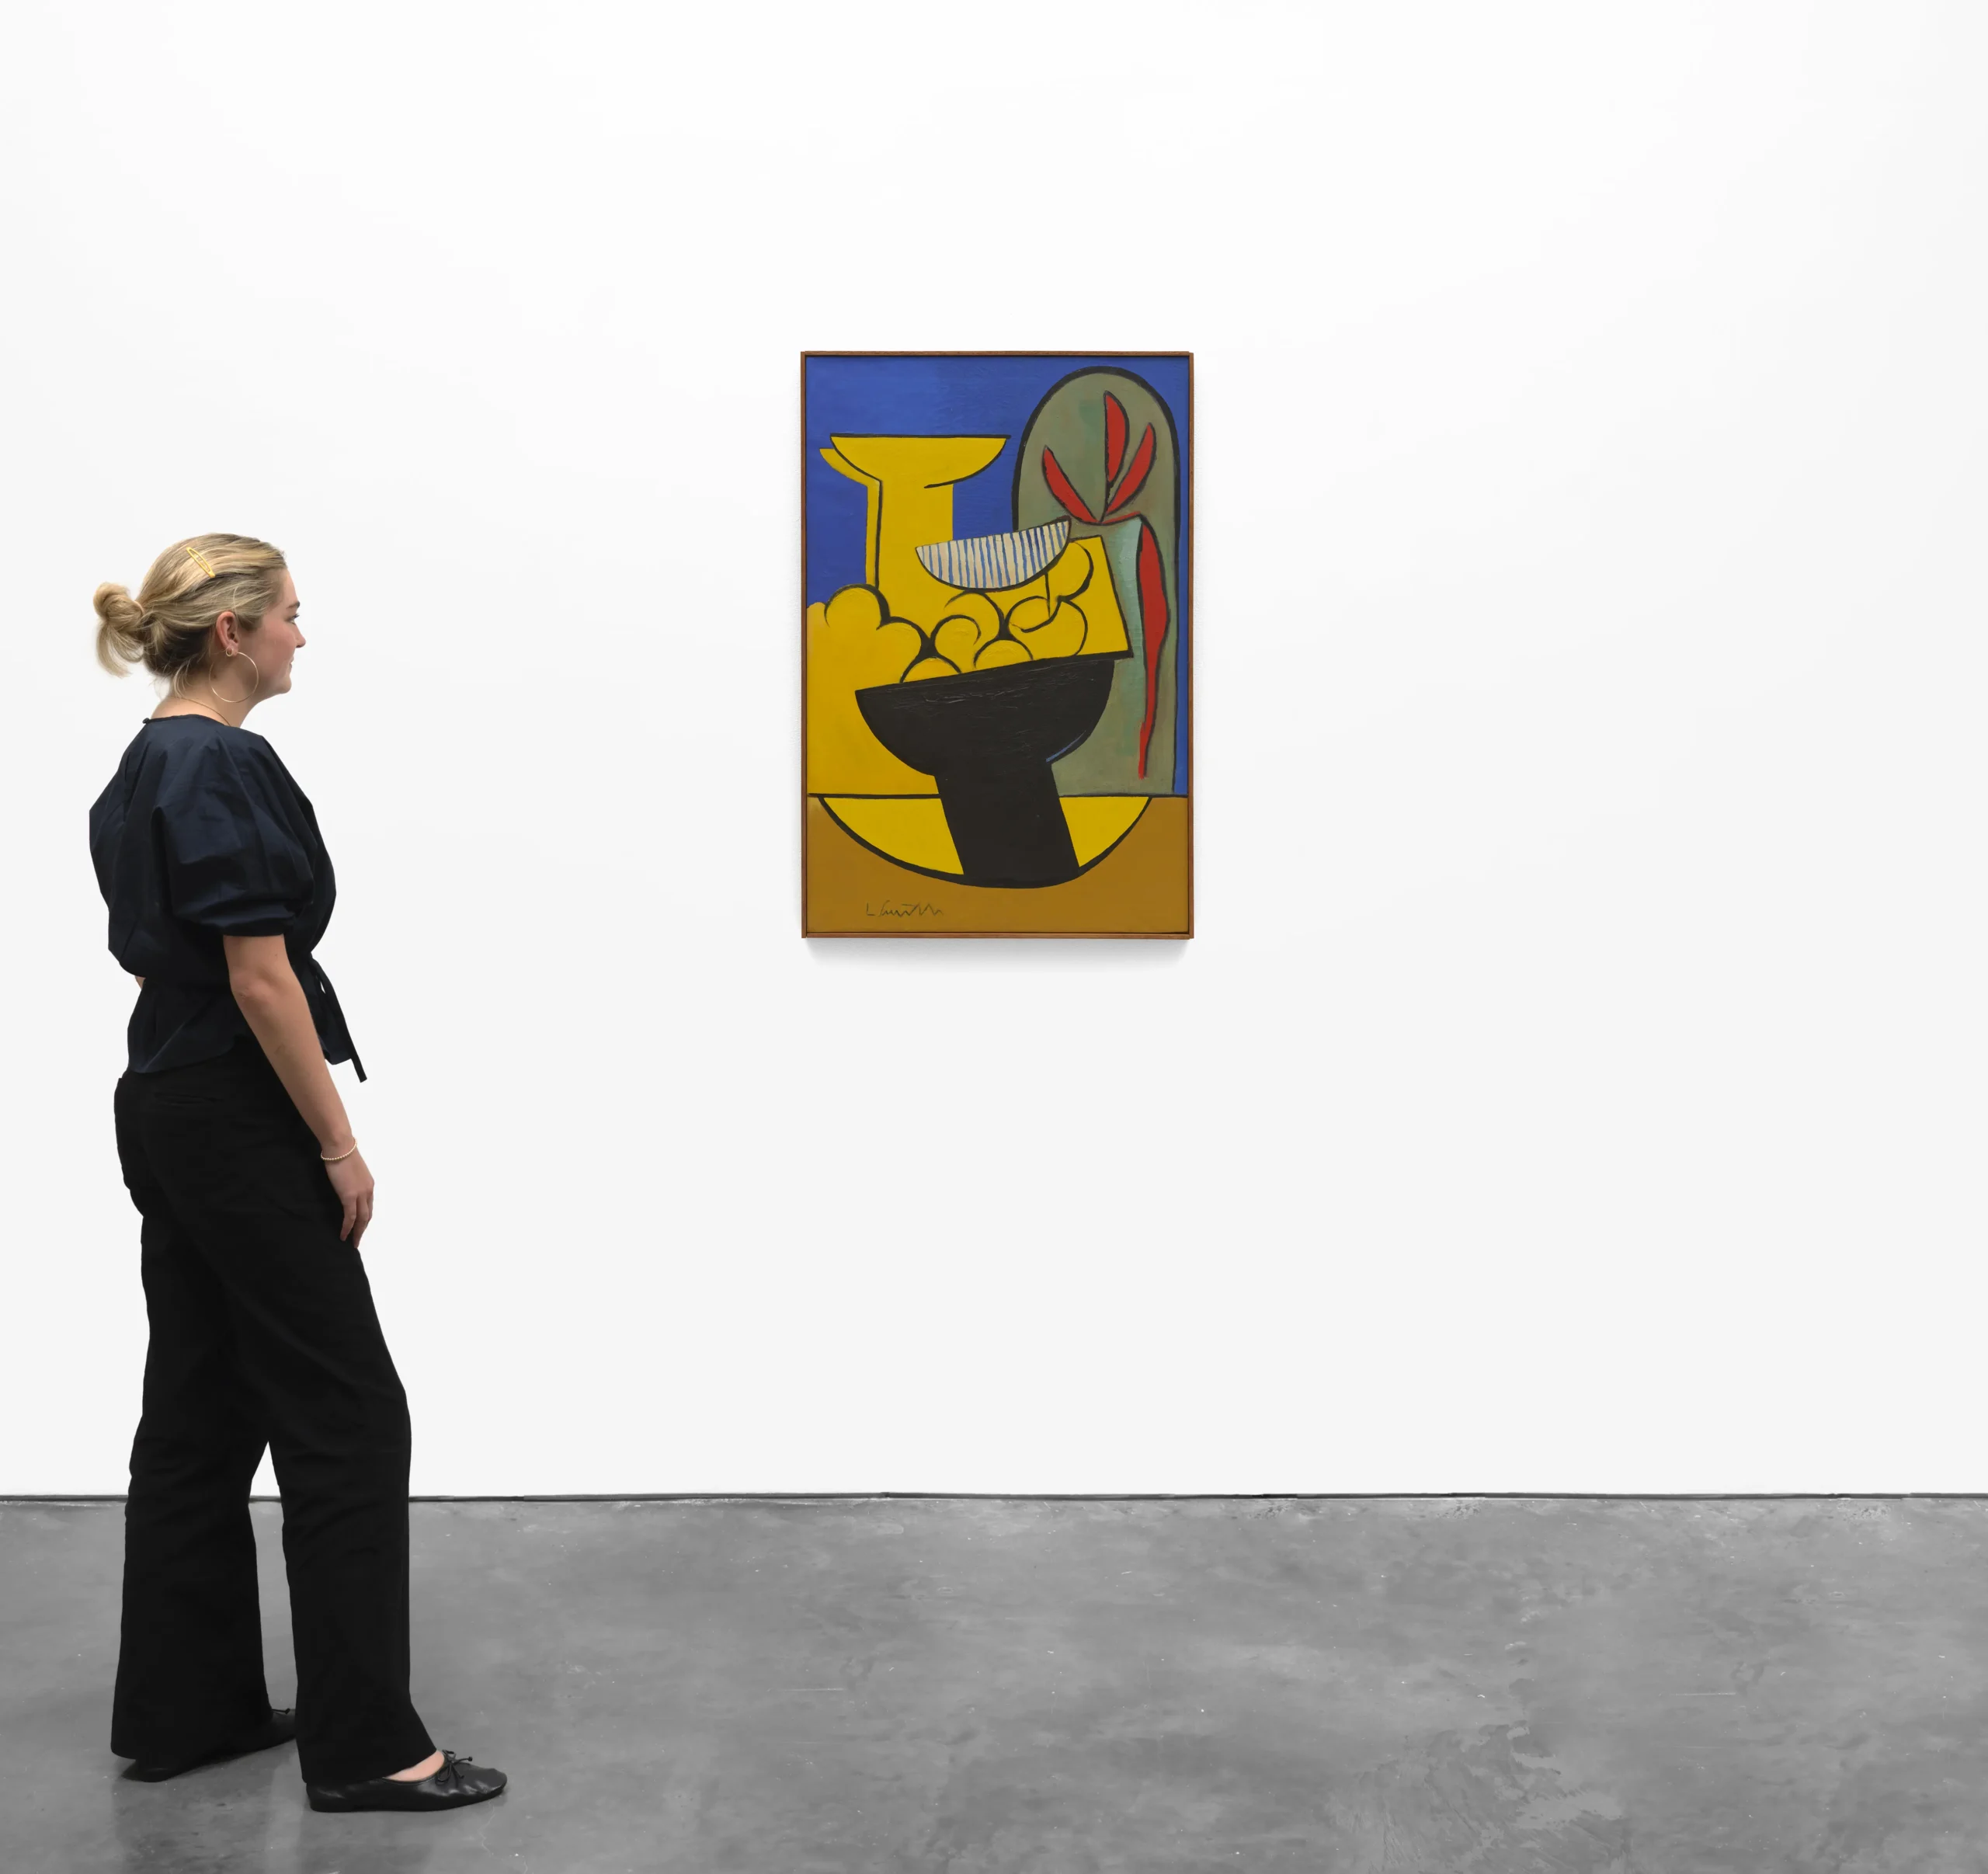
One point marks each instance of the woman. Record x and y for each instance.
(236, 1152)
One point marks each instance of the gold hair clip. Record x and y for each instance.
(201, 564)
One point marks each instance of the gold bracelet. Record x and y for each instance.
(333, 1161)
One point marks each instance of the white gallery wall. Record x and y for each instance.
(1576, 1081)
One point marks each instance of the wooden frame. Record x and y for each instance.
(913, 922)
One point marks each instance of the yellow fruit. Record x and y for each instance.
(1071, 572)
(958, 638)
(1061, 635)
(930, 667)
(1002, 650)
(854, 608)
(1028, 615)
(978, 607)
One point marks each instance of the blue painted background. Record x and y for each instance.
(992, 394)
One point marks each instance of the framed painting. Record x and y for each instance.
(997, 732)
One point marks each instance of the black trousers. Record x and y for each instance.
(263, 1332)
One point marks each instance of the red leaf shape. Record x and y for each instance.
(1114, 438)
(1135, 475)
(1059, 486)
(1153, 617)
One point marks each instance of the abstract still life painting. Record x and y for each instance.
(996, 730)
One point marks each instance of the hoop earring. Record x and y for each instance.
(218, 697)
(239, 700)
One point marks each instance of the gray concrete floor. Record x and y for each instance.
(965, 1686)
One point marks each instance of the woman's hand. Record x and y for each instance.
(141, 983)
(354, 1183)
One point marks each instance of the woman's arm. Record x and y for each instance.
(268, 995)
(272, 999)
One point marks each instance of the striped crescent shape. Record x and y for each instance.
(988, 562)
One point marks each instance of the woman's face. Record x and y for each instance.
(272, 647)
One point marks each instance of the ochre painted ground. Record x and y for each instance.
(1140, 889)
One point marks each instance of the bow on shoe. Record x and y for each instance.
(448, 1776)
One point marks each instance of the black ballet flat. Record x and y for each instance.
(280, 1728)
(459, 1782)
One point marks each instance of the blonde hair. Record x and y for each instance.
(165, 626)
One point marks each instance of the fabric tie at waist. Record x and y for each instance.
(331, 995)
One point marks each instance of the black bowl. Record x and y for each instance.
(1014, 714)
(987, 737)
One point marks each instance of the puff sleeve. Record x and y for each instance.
(233, 861)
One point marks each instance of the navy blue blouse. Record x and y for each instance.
(202, 831)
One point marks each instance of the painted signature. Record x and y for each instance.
(888, 909)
